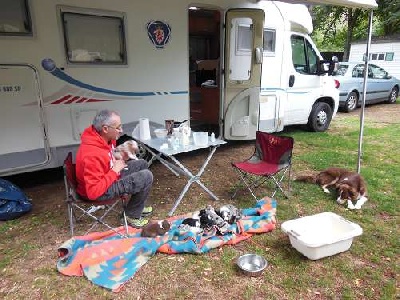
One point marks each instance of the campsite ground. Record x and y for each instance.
(28, 246)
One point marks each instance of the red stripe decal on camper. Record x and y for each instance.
(75, 99)
(72, 100)
(81, 100)
(62, 99)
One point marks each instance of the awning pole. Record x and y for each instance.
(366, 58)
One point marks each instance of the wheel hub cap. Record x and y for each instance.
(322, 118)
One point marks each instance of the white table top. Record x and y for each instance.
(163, 145)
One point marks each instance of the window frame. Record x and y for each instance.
(358, 71)
(377, 56)
(27, 21)
(306, 47)
(376, 70)
(389, 56)
(91, 14)
(265, 51)
(240, 33)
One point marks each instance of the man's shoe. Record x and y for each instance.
(136, 223)
(147, 210)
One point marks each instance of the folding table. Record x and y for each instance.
(163, 150)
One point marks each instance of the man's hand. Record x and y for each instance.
(118, 165)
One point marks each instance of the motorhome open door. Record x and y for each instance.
(243, 60)
(24, 144)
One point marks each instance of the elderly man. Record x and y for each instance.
(101, 177)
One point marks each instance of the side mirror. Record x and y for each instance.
(326, 66)
(333, 65)
(259, 55)
(322, 67)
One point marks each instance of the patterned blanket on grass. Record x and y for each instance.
(109, 260)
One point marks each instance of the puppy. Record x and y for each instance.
(211, 221)
(349, 185)
(191, 224)
(126, 150)
(155, 229)
(229, 213)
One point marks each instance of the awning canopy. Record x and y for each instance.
(348, 3)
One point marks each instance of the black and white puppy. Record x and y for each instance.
(126, 151)
(229, 213)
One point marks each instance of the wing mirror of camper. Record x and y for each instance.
(259, 55)
(326, 66)
(333, 65)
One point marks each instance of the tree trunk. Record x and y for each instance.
(349, 37)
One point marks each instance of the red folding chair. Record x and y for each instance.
(271, 160)
(95, 210)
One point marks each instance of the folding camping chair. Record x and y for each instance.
(271, 160)
(85, 207)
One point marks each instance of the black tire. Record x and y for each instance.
(320, 117)
(394, 93)
(351, 102)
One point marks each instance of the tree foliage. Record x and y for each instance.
(336, 27)
(388, 13)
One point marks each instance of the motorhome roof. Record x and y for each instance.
(299, 17)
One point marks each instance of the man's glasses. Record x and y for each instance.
(118, 128)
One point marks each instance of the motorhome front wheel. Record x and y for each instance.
(320, 117)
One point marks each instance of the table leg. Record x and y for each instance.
(155, 156)
(192, 179)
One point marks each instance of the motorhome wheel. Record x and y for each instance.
(320, 117)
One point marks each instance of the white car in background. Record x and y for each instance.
(349, 77)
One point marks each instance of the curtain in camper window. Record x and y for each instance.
(15, 18)
(94, 39)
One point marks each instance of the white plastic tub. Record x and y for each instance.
(321, 235)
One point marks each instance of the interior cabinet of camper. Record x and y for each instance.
(204, 50)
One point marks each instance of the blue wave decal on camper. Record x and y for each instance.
(49, 65)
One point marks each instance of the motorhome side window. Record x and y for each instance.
(304, 57)
(15, 18)
(269, 41)
(94, 39)
(242, 41)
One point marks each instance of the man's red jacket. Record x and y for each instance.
(93, 165)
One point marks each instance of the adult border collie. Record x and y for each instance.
(350, 185)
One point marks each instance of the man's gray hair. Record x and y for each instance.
(103, 118)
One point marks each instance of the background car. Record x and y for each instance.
(349, 77)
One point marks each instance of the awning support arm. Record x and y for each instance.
(366, 59)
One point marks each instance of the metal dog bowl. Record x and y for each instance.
(252, 264)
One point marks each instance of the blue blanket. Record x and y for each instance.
(109, 260)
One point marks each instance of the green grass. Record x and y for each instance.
(367, 271)
(380, 167)
(373, 260)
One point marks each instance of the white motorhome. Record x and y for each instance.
(238, 65)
